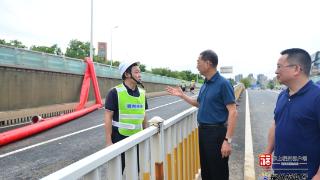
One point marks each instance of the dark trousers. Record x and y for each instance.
(116, 137)
(213, 166)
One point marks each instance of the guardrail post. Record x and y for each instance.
(169, 150)
(189, 151)
(144, 160)
(93, 175)
(114, 169)
(185, 149)
(180, 150)
(131, 164)
(175, 152)
(157, 149)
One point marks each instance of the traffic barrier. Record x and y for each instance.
(94, 81)
(44, 124)
(36, 119)
(89, 74)
(238, 89)
(20, 133)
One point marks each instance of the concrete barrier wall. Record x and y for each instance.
(24, 88)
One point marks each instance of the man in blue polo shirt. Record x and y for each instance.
(217, 117)
(295, 133)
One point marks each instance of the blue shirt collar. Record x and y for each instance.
(302, 90)
(213, 78)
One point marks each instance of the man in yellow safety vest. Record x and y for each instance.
(125, 106)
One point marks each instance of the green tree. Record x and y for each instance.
(114, 63)
(54, 49)
(17, 44)
(180, 75)
(102, 61)
(271, 84)
(161, 71)
(184, 75)
(14, 43)
(78, 49)
(3, 42)
(246, 82)
(143, 68)
(232, 81)
(201, 81)
(188, 75)
(99, 59)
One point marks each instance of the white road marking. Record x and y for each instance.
(249, 172)
(74, 133)
(163, 105)
(157, 97)
(51, 140)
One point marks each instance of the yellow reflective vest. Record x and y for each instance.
(131, 110)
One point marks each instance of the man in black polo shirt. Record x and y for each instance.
(132, 103)
(217, 108)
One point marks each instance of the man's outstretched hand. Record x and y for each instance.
(174, 91)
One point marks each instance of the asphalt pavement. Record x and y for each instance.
(49, 151)
(262, 103)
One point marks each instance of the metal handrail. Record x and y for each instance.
(180, 128)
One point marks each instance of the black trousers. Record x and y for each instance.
(213, 166)
(116, 137)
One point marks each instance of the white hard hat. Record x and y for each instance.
(125, 65)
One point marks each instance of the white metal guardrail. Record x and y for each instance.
(169, 151)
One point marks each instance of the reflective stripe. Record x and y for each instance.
(126, 125)
(131, 116)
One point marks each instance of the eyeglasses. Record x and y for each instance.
(290, 65)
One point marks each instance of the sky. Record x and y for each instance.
(246, 34)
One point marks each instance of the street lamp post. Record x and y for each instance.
(111, 45)
(91, 34)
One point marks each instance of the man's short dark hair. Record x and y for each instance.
(209, 55)
(129, 70)
(300, 57)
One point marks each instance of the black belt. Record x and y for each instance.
(206, 125)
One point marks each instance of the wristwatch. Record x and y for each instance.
(229, 140)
